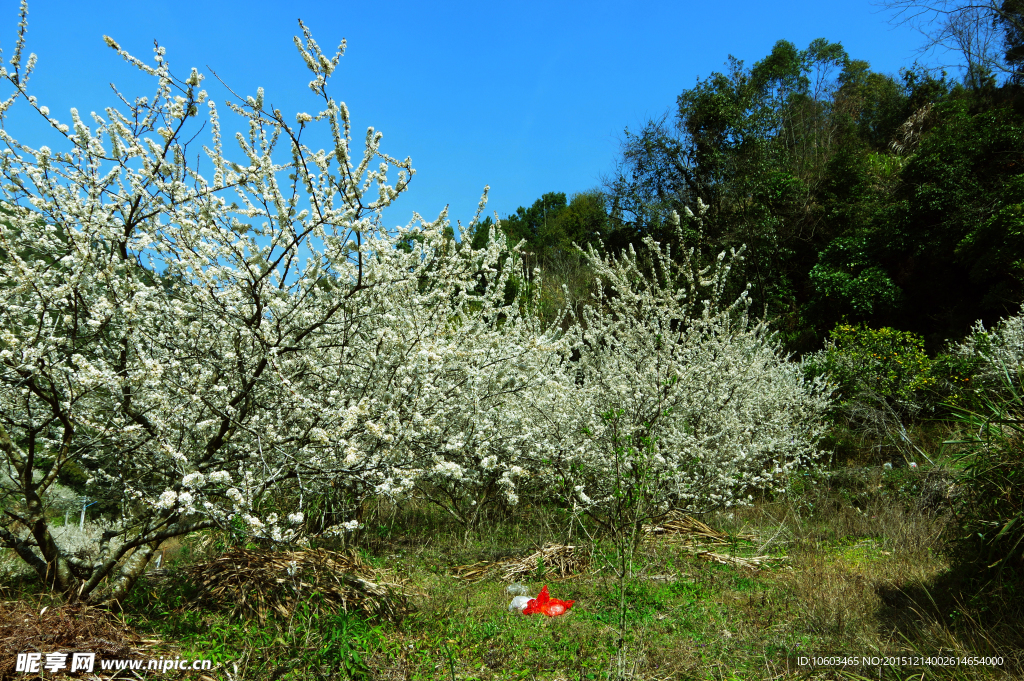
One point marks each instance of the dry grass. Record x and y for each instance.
(257, 583)
(70, 628)
(559, 561)
(681, 528)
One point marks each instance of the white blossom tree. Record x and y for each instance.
(676, 400)
(215, 350)
(679, 400)
(998, 351)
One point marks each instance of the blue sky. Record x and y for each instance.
(527, 97)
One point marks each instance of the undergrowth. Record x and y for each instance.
(859, 568)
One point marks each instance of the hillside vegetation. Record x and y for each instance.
(755, 405)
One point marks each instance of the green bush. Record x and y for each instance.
(890, 364)
(956, 381)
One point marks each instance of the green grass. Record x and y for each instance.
(860, 572)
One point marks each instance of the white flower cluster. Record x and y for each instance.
(1000, 349)
(85, 541)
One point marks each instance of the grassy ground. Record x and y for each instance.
(858, 571)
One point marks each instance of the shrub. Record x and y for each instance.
(993, 355)
(957, 381)
(887, 363)
(881, 376)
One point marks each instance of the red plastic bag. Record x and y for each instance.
(543, 603)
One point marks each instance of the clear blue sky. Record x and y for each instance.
(527, 97)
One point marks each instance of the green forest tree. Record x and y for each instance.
(860, 196)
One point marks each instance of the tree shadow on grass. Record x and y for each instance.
(966, 611)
